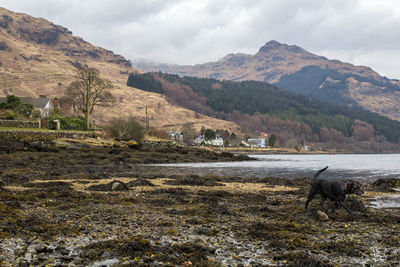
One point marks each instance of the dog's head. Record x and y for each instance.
(354, 188)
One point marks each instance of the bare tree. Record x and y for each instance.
(189, 133)
(89, 90)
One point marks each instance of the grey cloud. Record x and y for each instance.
(189, 31)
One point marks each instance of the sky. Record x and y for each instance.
(361, 32)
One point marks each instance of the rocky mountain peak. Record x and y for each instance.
(275, 45)
(269, 46)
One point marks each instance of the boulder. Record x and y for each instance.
(111, 186)
(321, 216)
(118, 186)
(387, 185)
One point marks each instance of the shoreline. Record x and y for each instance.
(99, 206)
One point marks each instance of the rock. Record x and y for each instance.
(355, 204)
(108, 262)
(2, 258)
(203, 231)
(43, 248)
(117, 144)
(62, 250)
(303, 200)
(38, 146)
(140, 182)
(5, 21)
(63, 145)
(114, 151)
(321, 216)
(386, 185)
(118, 186)
(24, 263)
(42, 257)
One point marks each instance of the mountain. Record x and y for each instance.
(297, 70)
(38, 57)
(261, 107)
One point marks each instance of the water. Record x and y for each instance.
(362, 167)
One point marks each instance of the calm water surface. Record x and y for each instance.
(361, 167)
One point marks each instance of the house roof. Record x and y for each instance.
(36, 102)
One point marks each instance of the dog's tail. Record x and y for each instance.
(319, 172)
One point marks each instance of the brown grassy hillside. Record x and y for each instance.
(40, 58)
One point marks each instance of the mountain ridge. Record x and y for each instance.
(275, 63)
(38, 57)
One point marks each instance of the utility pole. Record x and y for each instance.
(147, 120)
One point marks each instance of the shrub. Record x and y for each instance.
(36, 114)
(209, 134)
(125, 129)
(24, 109)
(158, 133)
(77, 124)
(64, 122)
(10, 116)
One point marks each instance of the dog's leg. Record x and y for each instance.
(322, 204)
(334, 206)
(311, 195)
(341, 203)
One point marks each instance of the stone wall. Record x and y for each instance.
(42, 136)
(19, 124)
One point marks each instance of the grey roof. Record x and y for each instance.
(36, 102)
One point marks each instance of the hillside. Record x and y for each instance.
(295, 69)
(262, 107)
(40, 58)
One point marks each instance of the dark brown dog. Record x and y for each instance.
(332, 190)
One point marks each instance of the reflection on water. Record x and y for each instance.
(363, 167)
(386, 202)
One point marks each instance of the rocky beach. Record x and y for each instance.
(72, 204)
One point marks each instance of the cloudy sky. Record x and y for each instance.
(362, 32)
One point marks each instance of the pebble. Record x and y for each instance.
(108, 262)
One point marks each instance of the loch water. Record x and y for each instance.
(361, 167)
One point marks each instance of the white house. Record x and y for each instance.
(175, 135)
(44, 104)
(200, 140)
(257, 142)
(218, 141)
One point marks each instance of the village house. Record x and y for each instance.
(175, 135)
(44, 104)
(65, 105)
(201, 140)
(257, 142)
